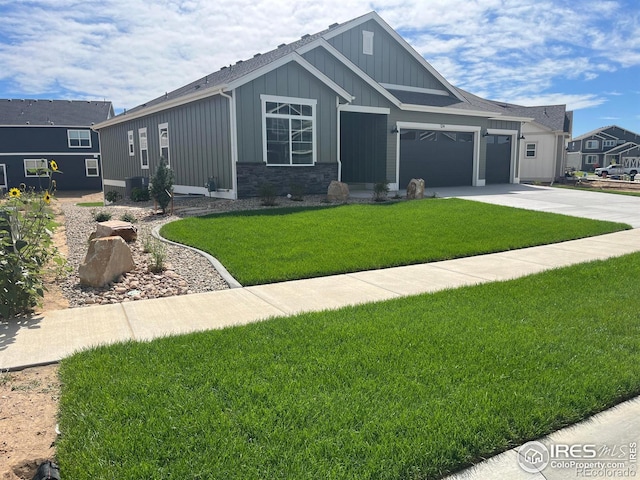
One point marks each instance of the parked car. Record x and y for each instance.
(615, 170)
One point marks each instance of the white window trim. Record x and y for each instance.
(42, 161)
(162, 126)
(78, 130)
(145, 148)
(303, 101)
(5, 185)
(367, 42)
(87, 167)
(535, 149)
(587, 142)
(589, 157)
(132, 148)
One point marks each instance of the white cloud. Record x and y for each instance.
(130, 51)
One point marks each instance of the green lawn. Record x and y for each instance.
(267, 246)
(410, 388)
(90, 204)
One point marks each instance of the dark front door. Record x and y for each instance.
(363, 147)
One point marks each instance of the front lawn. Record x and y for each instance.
(267, 246)
(410, 388)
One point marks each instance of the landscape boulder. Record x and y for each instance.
(114, 228)
(415, 189)
(107, 259)
(338, 192)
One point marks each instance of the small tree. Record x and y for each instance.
(162, 185)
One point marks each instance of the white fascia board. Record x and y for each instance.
(438, 127)
(374, 16)
(125, 117)
(291, 57)
(406, 88)
(512, 119)
(445, 110)
(321, 42)
(361, 109)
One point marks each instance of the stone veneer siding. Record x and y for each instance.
(315, 180)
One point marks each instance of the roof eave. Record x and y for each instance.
(125, 117)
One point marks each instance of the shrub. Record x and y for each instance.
(140, 194)
(101, 216)
(380, 191)
(128, 217)
(268, 195)
(112, 196)
(26, 245)
(158, 255)
(162, 185)
(297, 192)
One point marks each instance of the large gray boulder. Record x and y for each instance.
(338, 192)
(118, 228)
(107, 259)
(415, 189)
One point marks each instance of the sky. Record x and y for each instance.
(585, 54)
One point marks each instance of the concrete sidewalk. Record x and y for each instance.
(54, 335)
(57, 334)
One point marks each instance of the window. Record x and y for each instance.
(367, 42)
(531, 150)
(591, 159)
(36, 167)
(144, 151)
(132, 151)
(608, 143)
(591, 144)
(3, 177)
(79, 138)
(91, 167)
(288, 131)
(163, 131)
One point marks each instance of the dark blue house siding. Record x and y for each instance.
(18, 143)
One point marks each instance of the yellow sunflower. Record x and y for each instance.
(14, 193)
(47, 198)
(53, 165)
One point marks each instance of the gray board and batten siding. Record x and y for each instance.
(390, 62)
(199, 144)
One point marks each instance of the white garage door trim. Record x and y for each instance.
(475, 181)
(514, 174)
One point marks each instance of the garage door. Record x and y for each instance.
(498, 158)
(442, 159)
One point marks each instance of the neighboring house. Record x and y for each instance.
(354, 103)
(602, 147)
(543, 156)
(33, 132)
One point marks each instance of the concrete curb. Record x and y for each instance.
(224, 273)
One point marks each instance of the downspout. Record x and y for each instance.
(339, 110)
(233, 133)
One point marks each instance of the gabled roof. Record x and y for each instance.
(622, 148)
(243, 71)
(601, 130)
(73, 113)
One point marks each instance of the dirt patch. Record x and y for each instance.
(28, 412)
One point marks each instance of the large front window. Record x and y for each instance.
(289, 130)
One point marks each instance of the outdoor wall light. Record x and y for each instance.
(521, 137)
(394, 130)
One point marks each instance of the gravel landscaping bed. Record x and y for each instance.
(186, 271)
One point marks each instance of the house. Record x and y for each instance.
(33, 132)
(354, 103)
(543, 156)
(602, 147)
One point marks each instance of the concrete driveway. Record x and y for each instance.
(577, 203)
